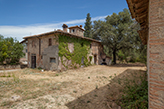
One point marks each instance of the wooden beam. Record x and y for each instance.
(142, 14)
(143, 33)
(144, 19)
(136, 1)
(137, 11)
(141, 4)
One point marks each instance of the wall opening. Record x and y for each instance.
(95, 59)
(52, 60)
(50, 42)
(33, 61)
(82, 60)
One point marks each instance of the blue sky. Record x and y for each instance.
(21, 18)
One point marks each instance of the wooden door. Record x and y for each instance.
(95, 59)
(33, 61)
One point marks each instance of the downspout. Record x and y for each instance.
(39, 46)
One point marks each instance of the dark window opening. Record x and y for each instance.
(73, 30)
(50, 42)
(52, 60)
(90, 45)
(95, 59)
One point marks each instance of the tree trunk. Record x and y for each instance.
(114, 56)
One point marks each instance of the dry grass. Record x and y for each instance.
(31, 88)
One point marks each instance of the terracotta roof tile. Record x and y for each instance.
(76, 27)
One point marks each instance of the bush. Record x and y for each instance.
(135, 95)
(10, 51)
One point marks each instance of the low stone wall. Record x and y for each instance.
(2, 67)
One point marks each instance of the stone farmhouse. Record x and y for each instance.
(150, 15)
(43, 50)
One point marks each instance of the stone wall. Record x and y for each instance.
(77, 31)
(4, 67)
(156, 54)
(66, 62)
(45, 52)
(50, 52)
(33, 48)
(97, 50)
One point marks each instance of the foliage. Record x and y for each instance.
(90, 58)
(121, 56)
(81, 50)
(10, 50)
(115, 32)
(138, 52)
(130, 89)
(118, 33)
(96, 28)
(88, 26)
(135, 96)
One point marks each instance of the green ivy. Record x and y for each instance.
(81, 50)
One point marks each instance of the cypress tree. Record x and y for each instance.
(88, 26)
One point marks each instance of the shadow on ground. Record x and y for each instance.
(129, 65)
(106, 97)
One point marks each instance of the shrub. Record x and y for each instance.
(135, 95)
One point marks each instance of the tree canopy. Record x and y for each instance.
(10, 50)
(118, 34)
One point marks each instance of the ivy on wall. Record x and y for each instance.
(80, 52)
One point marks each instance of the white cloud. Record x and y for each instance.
(21, 31)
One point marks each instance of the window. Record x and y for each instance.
(73, 30)
(50, 42)
(90, 45)
(52, 60)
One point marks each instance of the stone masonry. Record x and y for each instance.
(156, 54)
(43, 48)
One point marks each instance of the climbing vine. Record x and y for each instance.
(80, 52)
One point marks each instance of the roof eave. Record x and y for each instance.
(139, 10)
(62, 32)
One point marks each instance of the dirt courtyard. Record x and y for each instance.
(34, 89)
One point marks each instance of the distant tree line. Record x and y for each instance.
(118, 34)
(10, 50)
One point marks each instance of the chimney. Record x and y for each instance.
(81, 26)
(65, 27)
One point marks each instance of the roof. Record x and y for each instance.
(76, 27)
(63, 33)
(139, 11)
(23, 41)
